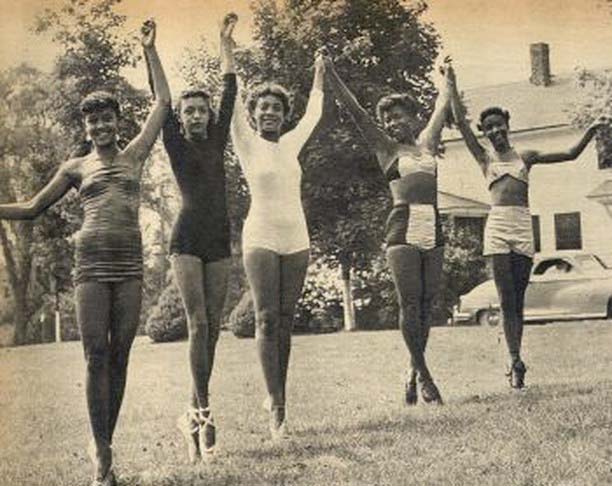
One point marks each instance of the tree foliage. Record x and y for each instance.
(595, 101)
(29, 151)
(42, 127)
(378, 48)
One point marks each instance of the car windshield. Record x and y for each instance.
(589, 263)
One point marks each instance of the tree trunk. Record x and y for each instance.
(19, 279)
(347, 298)
(21, 319)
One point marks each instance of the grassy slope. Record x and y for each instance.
(345, 411)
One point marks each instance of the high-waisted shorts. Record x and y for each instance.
(509, 228)
(416, 225)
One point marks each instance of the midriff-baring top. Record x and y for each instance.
(108, 245)
(412, 179)
(507, 164)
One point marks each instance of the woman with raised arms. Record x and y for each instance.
(108, 261)
(413, 236)
(275, 242)
(195, 138)
(508, 236)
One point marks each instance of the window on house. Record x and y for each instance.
(568, 233)
(537, 238)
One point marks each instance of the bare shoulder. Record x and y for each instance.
(73, 167)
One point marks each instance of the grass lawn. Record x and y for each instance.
(345, 410)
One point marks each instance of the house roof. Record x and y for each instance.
(602, 192)
(530, 106)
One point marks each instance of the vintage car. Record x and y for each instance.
(563, 285)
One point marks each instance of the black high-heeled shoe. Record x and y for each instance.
(516, 375)
(410, 393)
(430, 392)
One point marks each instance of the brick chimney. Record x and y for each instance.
(540, 64)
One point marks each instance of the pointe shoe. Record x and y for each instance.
(430, 392)
(207, 433)
(189, 426)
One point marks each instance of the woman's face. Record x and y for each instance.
(269, 114)
(101, 127)
(399, 124)
(194, 116)
(495, 128)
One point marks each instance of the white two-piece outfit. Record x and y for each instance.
(508, 228)
(275, 220)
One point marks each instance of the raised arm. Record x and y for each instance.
(373, 134)
(473, 145)
(534, 157)
(241, 130)
(59, 185)
(300, 134)
(430, 136)
(141, 145)
(228, 95)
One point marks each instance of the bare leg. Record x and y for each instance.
(215, 289)
(263, 273)
(189, 277)
(125, 317)
(292, 274)
(504, 281)
(93, 310)
(432, 298)
(405, 265)
(521, 270)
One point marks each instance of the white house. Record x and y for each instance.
(567, 199)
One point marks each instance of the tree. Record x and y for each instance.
(29, 150)
(596, 101)
(94, 52)
(378, 47)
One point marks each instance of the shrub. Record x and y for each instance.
(318, 310)
(320, 306)
(41, 327)
(242, 318)
(464, 265)
(167, 321)
(374, 296)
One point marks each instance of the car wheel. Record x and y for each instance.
(488, 317)
(609, 316)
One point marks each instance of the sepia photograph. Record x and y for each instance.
(305, 242)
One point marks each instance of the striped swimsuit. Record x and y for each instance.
(109, 244)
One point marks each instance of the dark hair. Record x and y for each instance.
(98, 101)
(272, 89)
(493, 110)
(406, 101)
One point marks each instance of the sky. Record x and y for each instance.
(488, 40)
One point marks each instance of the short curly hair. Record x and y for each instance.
(271, 89)
(196, 93)
(406, 101)
(98, 101)
(493, 110)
